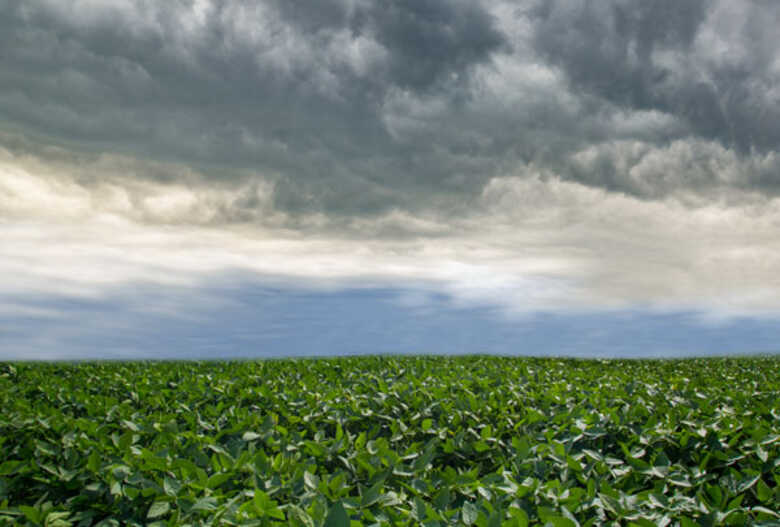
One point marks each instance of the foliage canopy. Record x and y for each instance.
(482, 441)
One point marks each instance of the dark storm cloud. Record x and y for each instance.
(290, 93)
(425, 39)
(659, 56)
(355, 107)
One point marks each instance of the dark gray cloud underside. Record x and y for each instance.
(254, 89)
(426, 40)
(352, 108)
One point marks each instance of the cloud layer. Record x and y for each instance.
(539, 156)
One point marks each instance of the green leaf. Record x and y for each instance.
(158, 509)
(218, 479)
(519, 516)
(747, 483)
(310, 480)
(481, 446)
(642, 522)
(468, 513)
(763, 491)
(205, 505)
(116, 489)
(9, 468)
(58, 519)
(559, 521)
(131, 426)
(337, 516)
(266, 506)
(573, 464)
(31, 513)
(171, 486)
(764, 510)
(371, 495)
(300, 515)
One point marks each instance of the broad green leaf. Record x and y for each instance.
(216, 480)
(205, 505)
(519, 516)
(468, 513)
(337, 516)
(158, 509)
(311, 481)
(8, 468)
(57, 519)
(371, 495)
(171, 486)
(559, 521)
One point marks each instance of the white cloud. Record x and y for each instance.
(532, 243)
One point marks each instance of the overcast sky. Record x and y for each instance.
(485, 163)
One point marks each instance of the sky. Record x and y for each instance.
(212, 179)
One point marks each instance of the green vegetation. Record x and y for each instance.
(391, 441)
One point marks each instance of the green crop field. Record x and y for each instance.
(391, 441)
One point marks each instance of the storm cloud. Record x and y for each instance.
(713, 67)
(540, 155)
(294, 96)
(355, 107)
